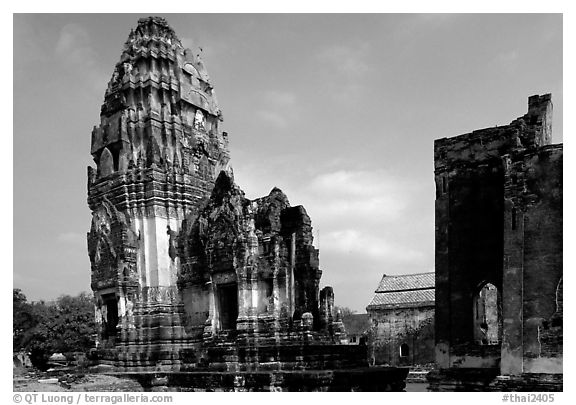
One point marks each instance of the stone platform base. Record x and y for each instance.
(530, 382)
(482, 379)
(359, 379)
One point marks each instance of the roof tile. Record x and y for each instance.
(406, 282)
(403, 298)
(405, 291)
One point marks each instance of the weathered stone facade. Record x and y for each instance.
(499, 253)
(188, 274)
(157, 149)
(402, 317)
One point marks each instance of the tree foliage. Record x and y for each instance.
(345, 311)
(65, 326)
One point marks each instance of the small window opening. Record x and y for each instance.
(404, 350)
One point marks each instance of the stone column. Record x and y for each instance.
(290, 276)
(326, 308)
(210, 325)
(275, 301)
(244, 301)
(255, 296)
(275, 284)
(442, 265)
(512, 351)
(243, 297)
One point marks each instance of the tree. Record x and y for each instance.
(344, 310)
(30, 328)
(18, 295)
(73, 326)
(23, 318)
(64, 326)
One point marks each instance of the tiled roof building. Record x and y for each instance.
(402, 315)
(404, 290)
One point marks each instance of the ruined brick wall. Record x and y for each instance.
(262, 247)
(469, 230)
(394, 327)
(499, 221)
(534, 211)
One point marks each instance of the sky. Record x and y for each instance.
(340, 111)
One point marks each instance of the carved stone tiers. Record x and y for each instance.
(189, 275)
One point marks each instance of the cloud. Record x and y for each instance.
(359, 183)
(277, 109)
(507, 61)
(72, 238)
(272, 118)
(345, 69)
(367, 244)
(367, 215)
(279, 98)
(29, 43)
(346, 60)
(76, 53)
(433, 18)
(359, 196)
(424, 24)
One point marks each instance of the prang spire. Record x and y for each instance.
(159, 82)
(157, 149)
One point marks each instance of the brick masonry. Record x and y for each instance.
(499, 221)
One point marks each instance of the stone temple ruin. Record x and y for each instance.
(499, 257)
(197, 286)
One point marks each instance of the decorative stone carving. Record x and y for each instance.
(106, 163)
(199, 120)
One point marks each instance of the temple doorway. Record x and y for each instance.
(227, 306)
(110, 312)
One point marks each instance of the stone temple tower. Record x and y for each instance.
(190, 277)
(157, 150)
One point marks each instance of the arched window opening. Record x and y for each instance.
(487, 316)
(115, 149)
(404, 350)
